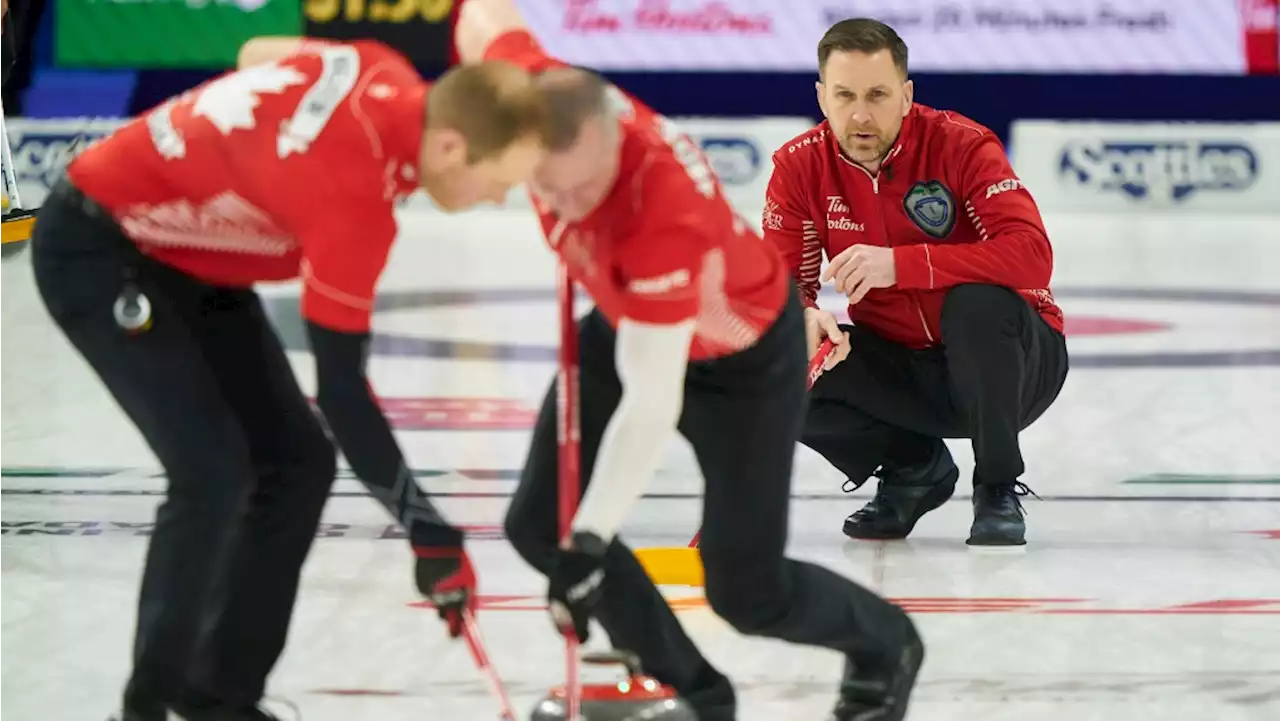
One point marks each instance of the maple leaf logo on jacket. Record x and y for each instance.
(229, 102)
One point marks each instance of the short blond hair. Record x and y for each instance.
(574, 97)
(492, 104)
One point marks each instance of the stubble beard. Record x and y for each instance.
(863, 155)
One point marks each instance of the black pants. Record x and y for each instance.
(999, 368)
(742, 415)
(249, 466)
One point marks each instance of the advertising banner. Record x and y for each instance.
(42, 149)
(954, 36)
(741, 152)
(419, 29)
(1261, 20)
(165, 33)
(1094, 166)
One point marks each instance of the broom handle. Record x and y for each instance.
(568, 437)
(6, 159)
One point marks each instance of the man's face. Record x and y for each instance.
(865, 99)
(574, 181)
(489, 180)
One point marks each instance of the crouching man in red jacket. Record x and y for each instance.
(946, 265)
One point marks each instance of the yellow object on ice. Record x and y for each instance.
(672, 566)
(17, 226)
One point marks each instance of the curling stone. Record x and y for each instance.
(636, 698)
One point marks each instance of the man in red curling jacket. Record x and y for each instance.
(146, 256)
(945, 263)
(697, 328)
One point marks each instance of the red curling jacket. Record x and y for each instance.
(946, 200)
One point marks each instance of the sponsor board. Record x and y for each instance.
(1261, 20)
(741, 152)
(166, 33)
(1098, 166)
(419, 29)
(1038, 36)
(42, 148)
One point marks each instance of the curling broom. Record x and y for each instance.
(568, 437)
(18, 222)
(475, 643)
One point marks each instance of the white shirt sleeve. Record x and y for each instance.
(651, 361)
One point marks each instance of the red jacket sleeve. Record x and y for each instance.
(1014, 249)
(519, 47)
(661, 280)
(792, 232)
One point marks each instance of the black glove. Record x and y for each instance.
(444, 573)
(576, 576)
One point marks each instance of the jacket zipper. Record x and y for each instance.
(915, 297)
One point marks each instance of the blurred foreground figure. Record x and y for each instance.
(696, 328)
(146, 256)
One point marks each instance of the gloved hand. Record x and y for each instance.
(576, 576)
(444, 573)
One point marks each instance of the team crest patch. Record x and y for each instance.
(932, 207)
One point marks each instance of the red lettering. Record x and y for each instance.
(583, 16)
(714, 17)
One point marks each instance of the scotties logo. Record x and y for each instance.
(1167, 170)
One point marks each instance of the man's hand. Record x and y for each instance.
(444, 574)
(576, 575)
(859, 268)
(819, 324)
(480, 22)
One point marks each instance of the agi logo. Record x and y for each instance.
(735, 160)
(1171, 170)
